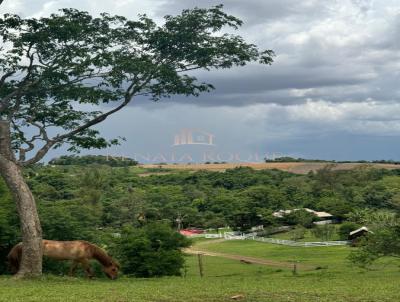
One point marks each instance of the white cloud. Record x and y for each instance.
(368, 117)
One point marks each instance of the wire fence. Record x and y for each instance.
(253, 236)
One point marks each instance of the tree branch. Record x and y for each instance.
(5, 102)
(31, 146)
(51, 142)
(5, 76)
(39, 155)
(130, 92)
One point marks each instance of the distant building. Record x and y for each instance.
(356, 234)
(322, 222)
(257, 228)
(321, 215)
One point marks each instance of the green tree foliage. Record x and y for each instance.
(384, 241)
(198, 199)
(112, 161)
(299, 217)
(69, 221)
(61, 75)
(336, 205)
(383, 238)
(376, 195)
(72, 58)
(51, 184)
(151, 251)
(9, 225)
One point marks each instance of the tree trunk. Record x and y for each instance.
(31, 262)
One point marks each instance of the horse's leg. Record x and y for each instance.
(72, 269)
(88, 269)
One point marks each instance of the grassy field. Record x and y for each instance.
(330, 259)
(308, 235)
(334, 280)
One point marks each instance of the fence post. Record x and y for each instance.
(200, 261)
(294, 271)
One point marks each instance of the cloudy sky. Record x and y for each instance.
(332, 92)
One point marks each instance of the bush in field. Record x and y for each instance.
(151, 251)
(298, 233)
(363, 258)
(324, 232)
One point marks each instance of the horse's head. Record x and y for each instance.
(112, 270)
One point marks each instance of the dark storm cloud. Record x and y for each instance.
(285, 86)
(252, 11)
(342, 50)
(333, 50)
(334, 82)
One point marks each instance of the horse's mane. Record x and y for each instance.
(100, 255)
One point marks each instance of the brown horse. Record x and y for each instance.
(80, 252)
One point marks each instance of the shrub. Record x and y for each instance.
(151, 251)
(363, 258)
(324, 232)
(298, 233)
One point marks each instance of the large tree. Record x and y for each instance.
(62, 75)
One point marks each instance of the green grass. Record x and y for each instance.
(308, 236)
(333, 258)
(317, 256)
(137, 170)
(225, 278)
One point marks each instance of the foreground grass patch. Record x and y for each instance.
(270, 286)
(225, 278)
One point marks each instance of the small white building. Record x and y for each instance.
(321, 215)
(359, 233)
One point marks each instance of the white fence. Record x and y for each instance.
(210, 236)
(253, 236)
(239, 236)
(297, 243)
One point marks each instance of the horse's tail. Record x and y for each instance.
(14, 258)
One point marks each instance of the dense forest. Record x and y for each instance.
(92, 202)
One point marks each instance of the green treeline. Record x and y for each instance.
(112, 161)
(100, 203)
